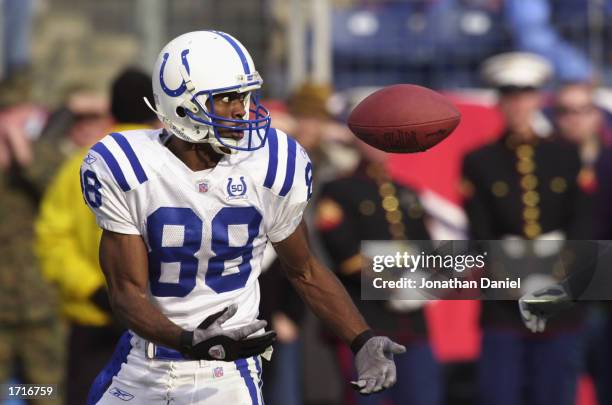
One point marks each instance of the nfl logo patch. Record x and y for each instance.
(218, 372)
(203, 187)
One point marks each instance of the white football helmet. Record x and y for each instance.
(190, 70)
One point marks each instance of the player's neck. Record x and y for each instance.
(196, 156)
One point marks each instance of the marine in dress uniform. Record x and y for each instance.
(525, 186)
(368, 205)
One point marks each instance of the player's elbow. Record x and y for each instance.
(124, 300)
(303, 273)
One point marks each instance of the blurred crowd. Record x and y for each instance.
(440, 43)
(531, 160)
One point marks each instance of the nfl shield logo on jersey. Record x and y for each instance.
(218, 372)
(236, 188)
(203, 187)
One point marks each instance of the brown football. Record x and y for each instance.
(404, 118)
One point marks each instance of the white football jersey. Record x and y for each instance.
(205, 231)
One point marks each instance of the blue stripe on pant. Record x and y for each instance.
(243, 367)
(104, 379)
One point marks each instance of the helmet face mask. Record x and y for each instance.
(191, 73)
(254, 130)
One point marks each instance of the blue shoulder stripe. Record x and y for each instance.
(291, 147)
(129, 153)
(112, 164)
(272, 159)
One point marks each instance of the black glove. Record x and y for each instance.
(211, 342)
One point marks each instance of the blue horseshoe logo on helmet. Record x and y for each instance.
(180, 89)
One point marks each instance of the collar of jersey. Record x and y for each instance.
(171, 156)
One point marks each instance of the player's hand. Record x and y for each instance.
(211, 342)
(540, 305)
(375, 365)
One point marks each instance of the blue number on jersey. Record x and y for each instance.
(308, 178)
(192, 240)
(223, 251)
(91, 189)
(157, 224)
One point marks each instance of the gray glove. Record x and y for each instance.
(540, 305)
(375, 365)
(209, 341)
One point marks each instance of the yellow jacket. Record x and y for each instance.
(67, 240)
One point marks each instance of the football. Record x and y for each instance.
(404, 118)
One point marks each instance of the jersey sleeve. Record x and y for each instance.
(103, 187)
(294, 192)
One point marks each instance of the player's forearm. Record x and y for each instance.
(139, 315)
(123, 259)
(328, 299)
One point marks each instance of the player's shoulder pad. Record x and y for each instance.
(288, 169)
(122, 158)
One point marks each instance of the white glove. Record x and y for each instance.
(540, 305)
(375, 366)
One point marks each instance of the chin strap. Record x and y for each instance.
(171, 126)
(161, 116)
(219, 148)
(222, 150)
(210, 137)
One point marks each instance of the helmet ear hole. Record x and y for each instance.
(180, 111)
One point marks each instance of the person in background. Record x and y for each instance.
(31, 334)
(599, 354)
(324, 138)
(368, 205)
(515, 188)
(67, 238)
(579, 120)
(603, 169)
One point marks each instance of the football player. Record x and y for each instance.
(186, 213)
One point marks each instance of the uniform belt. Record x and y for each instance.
(153, 351)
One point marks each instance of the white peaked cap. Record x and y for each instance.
(519, 69)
